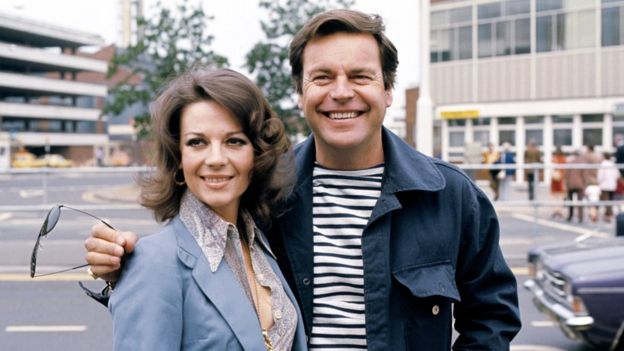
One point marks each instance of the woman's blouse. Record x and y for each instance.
(220, 240)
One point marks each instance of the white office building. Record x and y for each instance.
(43, 106)
(551, 71)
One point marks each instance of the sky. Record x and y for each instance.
(236, 27)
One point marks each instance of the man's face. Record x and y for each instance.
(343, 97)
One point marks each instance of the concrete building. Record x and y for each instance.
(512, 71)
(43, 106)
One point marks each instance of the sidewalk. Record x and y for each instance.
(518, 202)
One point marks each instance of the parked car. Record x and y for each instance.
(25, 160)
(56, 161)
(580, 285)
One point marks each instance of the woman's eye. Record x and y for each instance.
(194, 142)
(237, 141)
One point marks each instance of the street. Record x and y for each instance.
(52, 313)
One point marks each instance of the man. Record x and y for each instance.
(382, 244)
(532, 156)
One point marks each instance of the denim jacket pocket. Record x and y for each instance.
(427, 296)
(431, 280)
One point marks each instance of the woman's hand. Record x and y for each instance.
(105, 250)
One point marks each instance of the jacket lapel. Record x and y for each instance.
(296, 230)
(222, 289)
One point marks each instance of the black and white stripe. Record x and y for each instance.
(342, 204)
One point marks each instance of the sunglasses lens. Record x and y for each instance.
(52, 219)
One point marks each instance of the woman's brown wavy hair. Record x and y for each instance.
(273, 170)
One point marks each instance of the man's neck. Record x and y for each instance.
(349, 159)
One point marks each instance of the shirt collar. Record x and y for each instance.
(211, 231)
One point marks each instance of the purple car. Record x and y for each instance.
(580, 285)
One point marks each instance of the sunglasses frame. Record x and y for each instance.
(46, 229)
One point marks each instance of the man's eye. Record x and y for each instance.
(362, 78)
(320, 78)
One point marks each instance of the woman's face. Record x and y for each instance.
(217, 157)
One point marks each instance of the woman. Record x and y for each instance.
(608, 176)
(217, 285)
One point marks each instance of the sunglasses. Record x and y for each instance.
(51, 219)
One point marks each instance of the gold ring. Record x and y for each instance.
(90, 272)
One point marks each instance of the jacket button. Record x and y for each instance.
(277, 314)
(435, 310)
(306, 281)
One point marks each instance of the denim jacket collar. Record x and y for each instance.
(399, 161)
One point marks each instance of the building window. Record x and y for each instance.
(592, 136)
(14, 124)
(507, 120)
(563, 25)
(535, 135)
(456, 139)
(534, 120)
(451, 34)
(482, 136)
(612, 22)
(86, 127)
(504, 28)
(456, 122)
(508, 136)
(562, 137)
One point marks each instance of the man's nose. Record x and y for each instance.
(341, 89)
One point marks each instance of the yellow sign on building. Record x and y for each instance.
(459, 114)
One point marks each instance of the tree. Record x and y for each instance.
(170, 43)
(268, 59)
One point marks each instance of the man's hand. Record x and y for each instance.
(105, 249)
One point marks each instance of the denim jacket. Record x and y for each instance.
(430, 249)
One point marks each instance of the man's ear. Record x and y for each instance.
(388, 97)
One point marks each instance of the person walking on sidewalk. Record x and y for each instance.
(608, 176)
(505, 175)
(490, 157)
(532, 157)
(557, 186)
(575, 182)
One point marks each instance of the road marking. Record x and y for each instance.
(559, 226)
(31, 193)
(534, 348)
(543, 324)
(5, 215)
(61, 277)
(44, 328)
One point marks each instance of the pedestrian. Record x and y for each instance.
(490, 156)
(619, 152)
(505, 175)
(532, 158)
(218, 145)
(557, 186)
(592, 189)
(387, 248)
(99, 156)
(608, 176)
(575, 183)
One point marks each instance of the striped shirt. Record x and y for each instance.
(342, 204)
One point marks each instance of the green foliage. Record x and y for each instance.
(268, 59)
(171, 42)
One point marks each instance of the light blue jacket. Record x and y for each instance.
(168, 299)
